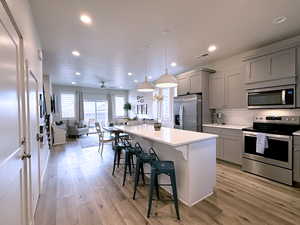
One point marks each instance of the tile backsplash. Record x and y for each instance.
(245, 116)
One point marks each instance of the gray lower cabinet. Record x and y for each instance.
(229, 144)
(232, 149)
(296, 163)
(219, 150)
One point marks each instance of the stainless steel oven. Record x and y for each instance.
(275, 97)
(279, 151)
(276, 161)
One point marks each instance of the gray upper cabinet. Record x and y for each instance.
(183, 85)
(235, 94)
(195, 81)
(273, 69)
(283, 64)
(257, 70)
(192, 82)
(227, 89)
(216, 91)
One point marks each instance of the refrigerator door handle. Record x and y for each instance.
(181, 111)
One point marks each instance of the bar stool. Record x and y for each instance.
(143, 158)
(118, 147)
(163, 167)
(130, 152)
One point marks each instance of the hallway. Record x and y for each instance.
(79, 190)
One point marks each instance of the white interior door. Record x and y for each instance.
(33, 131)
(11, 148)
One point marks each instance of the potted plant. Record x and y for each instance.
(127, 107)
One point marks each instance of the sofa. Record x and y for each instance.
(76, 129)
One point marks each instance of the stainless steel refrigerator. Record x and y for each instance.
(188, 112)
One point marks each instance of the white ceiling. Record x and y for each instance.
(115, 43)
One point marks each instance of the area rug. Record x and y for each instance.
(90, 141)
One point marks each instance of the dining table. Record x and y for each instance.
(114, 130)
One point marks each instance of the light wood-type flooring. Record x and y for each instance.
(80, 190)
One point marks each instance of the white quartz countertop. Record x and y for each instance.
(169, 136)
(228, 126)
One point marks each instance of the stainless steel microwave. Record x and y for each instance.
(272, 98)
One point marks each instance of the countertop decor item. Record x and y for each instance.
(157, 126)
(158, 98)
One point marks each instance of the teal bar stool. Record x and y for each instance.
(130, 152)
(142, 159)
(162, 167)
(118, 148)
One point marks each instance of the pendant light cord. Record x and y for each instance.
(146, 63)
(166, 53)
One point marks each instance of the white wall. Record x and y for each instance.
(22, 14)
(148, 99)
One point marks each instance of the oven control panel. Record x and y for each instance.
(278, 119)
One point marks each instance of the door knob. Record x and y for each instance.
(26, 156)
(38, 137)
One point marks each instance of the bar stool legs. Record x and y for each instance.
(152, 183)
(139, 170)
(117, 158)
(128, 163)
(155, 171)
(174, 190)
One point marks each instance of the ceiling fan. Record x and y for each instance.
(104, 86)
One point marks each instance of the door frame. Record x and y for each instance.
(28, 73)
(22, 111)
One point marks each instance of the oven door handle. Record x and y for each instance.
(270, 136)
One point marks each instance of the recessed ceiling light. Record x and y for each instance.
(173, 64)
(86, 19)
(279, 20)
(212, 48)
(76, 53)
(135, 81)
(129, 74)
(73, 82)
(149, 77)
(77, 74)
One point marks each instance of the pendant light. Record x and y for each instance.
(166, 80)
(146, 86)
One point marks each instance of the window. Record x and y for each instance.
(119, 106)
(166, 107)
(67, 105)
(96, 110)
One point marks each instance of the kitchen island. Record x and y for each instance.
(193, 153)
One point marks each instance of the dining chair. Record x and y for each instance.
(101, 137)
